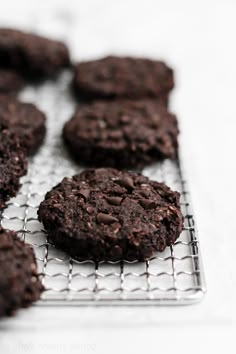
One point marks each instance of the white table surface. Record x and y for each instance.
(198, 39)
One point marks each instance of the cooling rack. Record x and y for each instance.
(174, 276)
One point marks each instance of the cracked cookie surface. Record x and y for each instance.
(123, 77)
(25, 120)
(32, 55)
(121, 133)
(13, 165)
(19, 281)
(107, 215)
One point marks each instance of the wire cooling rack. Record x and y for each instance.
(174, 276)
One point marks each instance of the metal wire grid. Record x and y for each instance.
(174, 276)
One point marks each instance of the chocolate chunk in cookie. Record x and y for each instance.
(25, 120)
(32, 55)
(19, 281)
(121, 133)
(106, 215)
(123, 77)
(13, 165)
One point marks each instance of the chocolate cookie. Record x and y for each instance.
(121, 133)
(123, 77)
(107, 215)
(19, 281)
(24, 119)
(13, 165)
(32, 55)
(10, 81)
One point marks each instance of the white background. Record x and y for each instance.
(197, 38)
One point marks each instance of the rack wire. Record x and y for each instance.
(174, 276)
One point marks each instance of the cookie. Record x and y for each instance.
(13, 165)
(25, 120)
(10, 81)
(121, 133)
(107, 215)
(19, 281)
(123, 77)
(32, 55)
